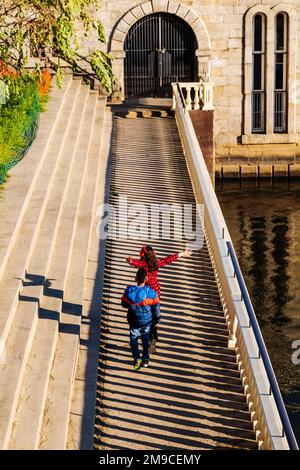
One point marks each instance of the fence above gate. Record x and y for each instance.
(160, 49)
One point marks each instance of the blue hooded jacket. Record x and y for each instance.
(138, 301)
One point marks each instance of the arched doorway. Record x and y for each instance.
(160, 49)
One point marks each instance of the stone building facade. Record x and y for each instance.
(255, 119)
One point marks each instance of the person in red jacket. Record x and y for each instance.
(139, 301)
(152, 264)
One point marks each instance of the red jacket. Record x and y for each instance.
(153, 281)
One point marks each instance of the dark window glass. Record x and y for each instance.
(257, 72)
(258, 33)
(258, 93)
(280, 32)
(279, 72)
(258, 111)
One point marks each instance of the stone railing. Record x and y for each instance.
(197, 95)
(269, 417)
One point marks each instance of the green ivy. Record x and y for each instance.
(18, 121)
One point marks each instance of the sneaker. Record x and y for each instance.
(145, 363)
(137, 364)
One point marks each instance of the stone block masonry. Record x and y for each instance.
(226, 58)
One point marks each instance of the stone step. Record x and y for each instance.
(56, 420)
(59, 192)
(18, 191)
(144, 113)
(18, 348)
(28, 308)
(82, 413)
(87, 208)
(33, 215)
(30, 407)
(61, 258)
(54, 431)
(33, 394)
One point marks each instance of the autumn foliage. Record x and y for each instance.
(7, 71)
(44, 83)
(26, 95)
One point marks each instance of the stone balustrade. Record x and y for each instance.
(270, 420)
(197, 95)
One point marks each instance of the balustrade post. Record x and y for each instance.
(188, 98)
(197, 98)
(174, 86)
(232, 334)
(208, 96)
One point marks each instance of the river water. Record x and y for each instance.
(264, 223)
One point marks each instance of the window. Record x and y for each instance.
(280, 89)
(270, 75)
(258, 79)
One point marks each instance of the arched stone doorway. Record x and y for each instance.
(202, 52)
(160, 49)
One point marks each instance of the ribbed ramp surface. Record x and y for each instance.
(191, 397)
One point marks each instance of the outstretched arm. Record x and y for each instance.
(136, 263)
(185, 254)
(170, 259)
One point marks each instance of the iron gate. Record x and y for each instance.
(160, 49)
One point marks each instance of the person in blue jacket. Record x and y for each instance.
(138, 300)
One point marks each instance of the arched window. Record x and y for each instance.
(280, 90)
(270, 74)
(259, 74)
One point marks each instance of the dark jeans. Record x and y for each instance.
(144, 333)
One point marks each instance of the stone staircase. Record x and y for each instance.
(47, 211)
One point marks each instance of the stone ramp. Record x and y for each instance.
(192, 396)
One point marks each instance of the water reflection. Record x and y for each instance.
(264, 223)
(281, 280)
(258, 270)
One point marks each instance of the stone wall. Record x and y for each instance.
(203, 123)
(224, 21)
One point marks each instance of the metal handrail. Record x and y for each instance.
(287, 428)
